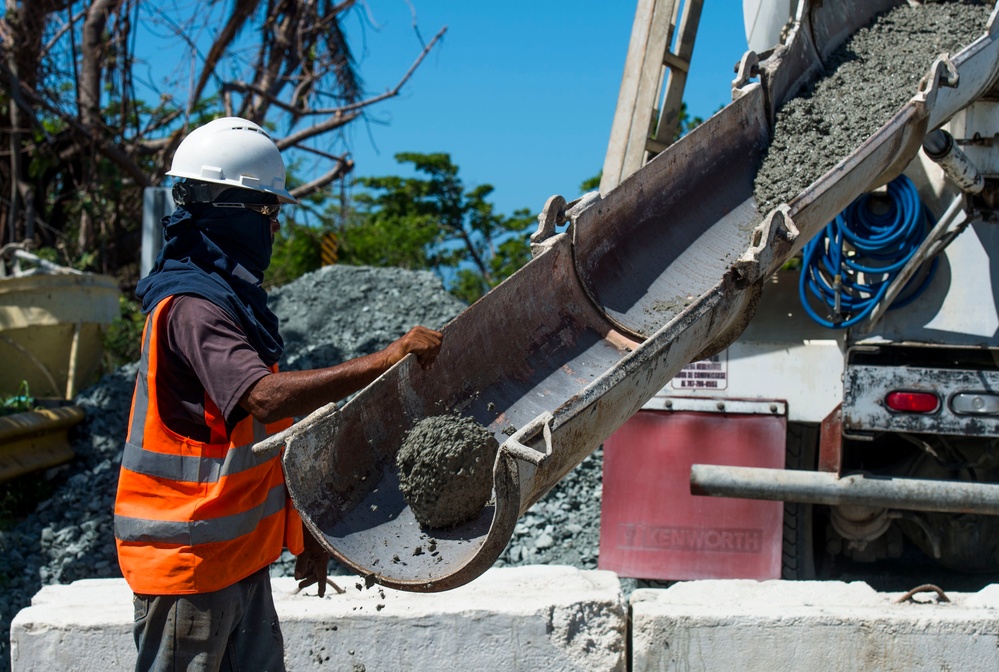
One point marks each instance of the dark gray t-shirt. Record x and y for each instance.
(207, 355)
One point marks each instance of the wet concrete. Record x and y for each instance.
(868, 79)
(446, 469)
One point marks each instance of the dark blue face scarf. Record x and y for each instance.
(220, 255)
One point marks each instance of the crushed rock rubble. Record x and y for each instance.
(331, 315)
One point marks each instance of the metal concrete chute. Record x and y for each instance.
(657, 271)
(531, 346)
(678, 225)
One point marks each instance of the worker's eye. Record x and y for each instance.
(265, 209)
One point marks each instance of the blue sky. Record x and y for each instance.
(521, 94)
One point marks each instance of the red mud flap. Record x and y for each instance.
(653, 528)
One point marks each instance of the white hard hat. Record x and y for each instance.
(234, 152)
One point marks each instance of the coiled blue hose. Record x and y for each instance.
(848, 268)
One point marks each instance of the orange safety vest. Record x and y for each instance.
(190, 516)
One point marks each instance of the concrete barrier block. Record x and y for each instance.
(537, 618)
(778, 626)
(528, 618)
(85, 626)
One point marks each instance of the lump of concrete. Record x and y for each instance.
(446, 469)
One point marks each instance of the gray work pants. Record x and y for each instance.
(234, 629)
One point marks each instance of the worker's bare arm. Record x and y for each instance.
(297, 393)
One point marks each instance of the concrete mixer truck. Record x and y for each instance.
(862, 393)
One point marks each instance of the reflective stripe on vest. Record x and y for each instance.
(187, 468)
(192, 533)
(190, 516)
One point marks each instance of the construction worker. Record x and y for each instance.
(199, 517)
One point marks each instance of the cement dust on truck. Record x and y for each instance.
(666, 265)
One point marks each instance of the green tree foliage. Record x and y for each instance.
(431, 221)
(687, 122)
(592, 183)
(297, 251)
(123, 338)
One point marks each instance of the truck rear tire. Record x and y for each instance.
(798, 551)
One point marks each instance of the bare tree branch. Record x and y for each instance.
(341, 169)
(339, 113)
(93, 59)
(241, 13)
(391, 93)
(84, 132)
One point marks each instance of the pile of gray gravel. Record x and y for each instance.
(334, 314)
